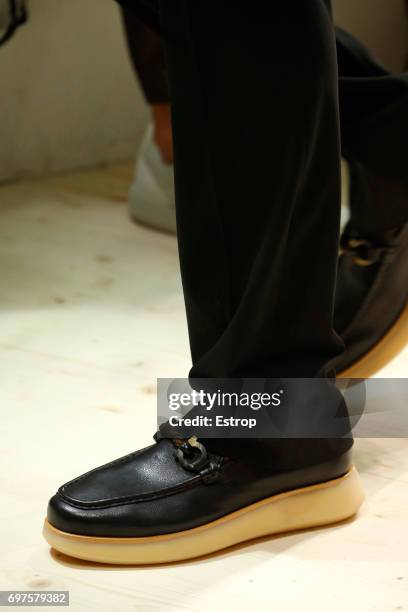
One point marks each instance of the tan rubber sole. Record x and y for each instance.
(394, 341)
(313, 506)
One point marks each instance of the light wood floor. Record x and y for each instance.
(91, 312)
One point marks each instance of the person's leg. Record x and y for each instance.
(373, 112)
(372, 285)
(257, 160)
(151, 195)
(374, 130)
(259, 291)
(146, 54)
(374, 127)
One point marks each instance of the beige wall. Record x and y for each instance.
(68, 96)
(381, 24)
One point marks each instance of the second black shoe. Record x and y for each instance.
(371, 307)
(371, 300)
(177, 500)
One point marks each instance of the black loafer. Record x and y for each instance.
(371, 313)
(176, 500)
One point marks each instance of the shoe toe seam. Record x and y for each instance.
(131, 499)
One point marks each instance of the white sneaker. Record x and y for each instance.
(151, 196)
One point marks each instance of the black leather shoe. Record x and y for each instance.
(176, 500)
(371, 313)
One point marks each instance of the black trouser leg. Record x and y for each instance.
(373, 107)
(373, 100)
(374, 126)
(373, 117)
(257, 168)
(146, 52)
(257, 183)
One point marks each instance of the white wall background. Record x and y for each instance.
(68, 97)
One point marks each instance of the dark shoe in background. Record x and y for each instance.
(371, 311)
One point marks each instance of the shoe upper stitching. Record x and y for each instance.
(119, 501)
